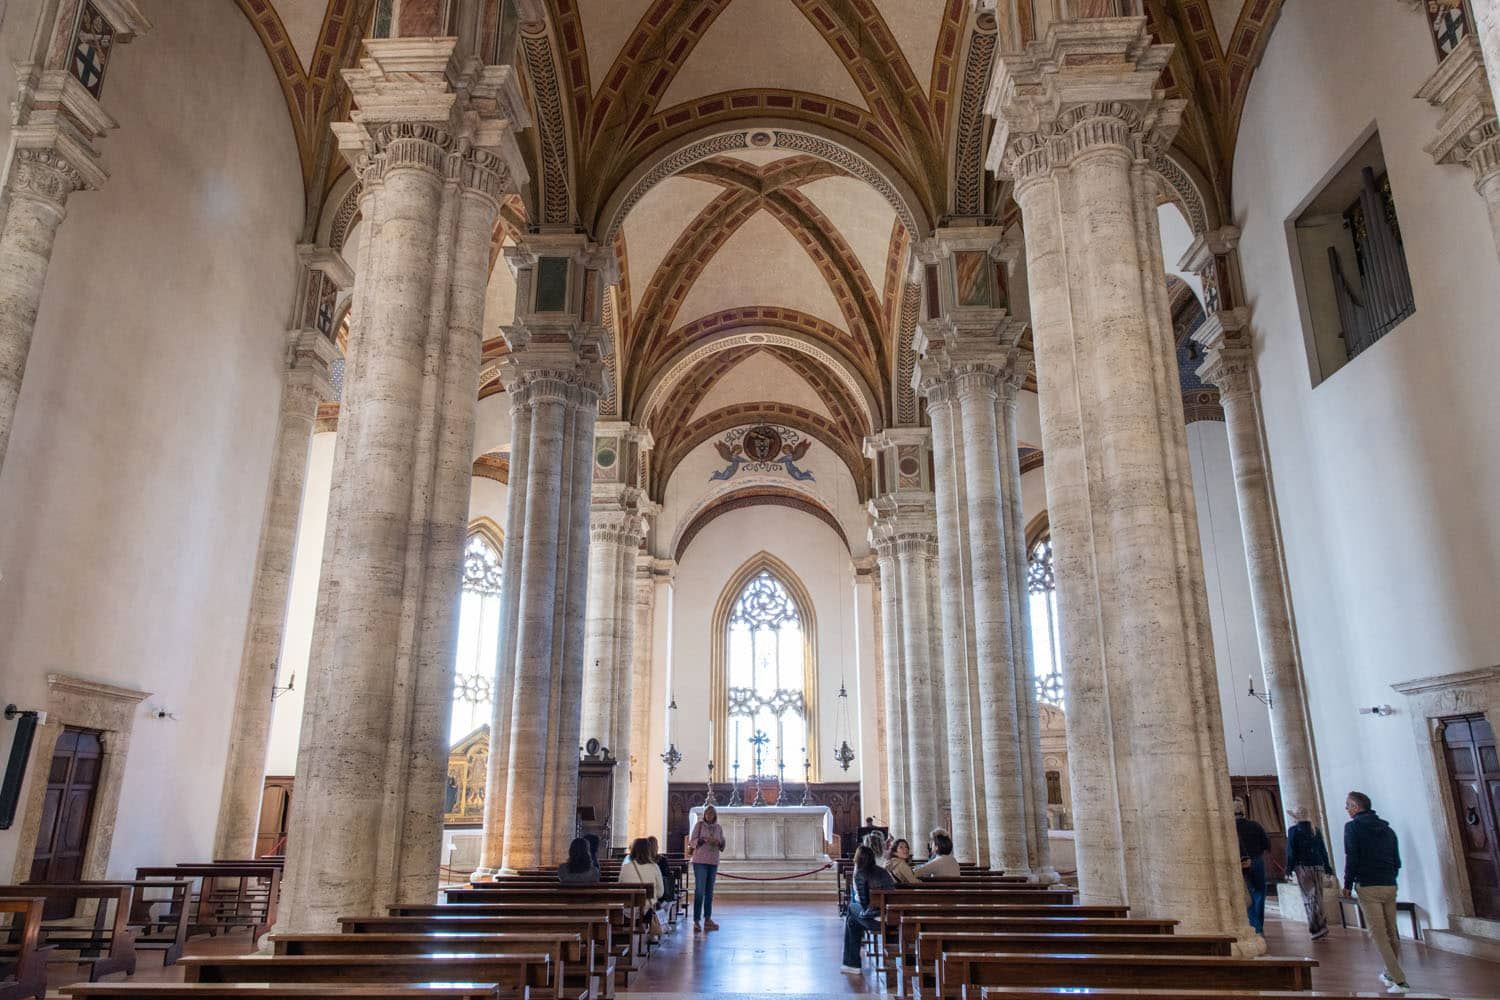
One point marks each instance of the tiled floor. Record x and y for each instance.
(792, 950)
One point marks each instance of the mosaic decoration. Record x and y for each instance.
(763, 448)
(91, 45)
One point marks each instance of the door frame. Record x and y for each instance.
(83, 704)
(1431, 700)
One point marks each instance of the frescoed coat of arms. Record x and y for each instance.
(762, 448)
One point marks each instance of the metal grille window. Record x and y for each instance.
(766, 670)
(478, 639)
(1041, 589)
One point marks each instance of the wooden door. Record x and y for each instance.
(275, 815)
(1474, 777)
(67, 812)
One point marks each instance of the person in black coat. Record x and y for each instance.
(1372, 857)
(862, 916)
(1306, 865)
(1253, 847)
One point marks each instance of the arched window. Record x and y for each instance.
(478, 638)
(1046, 649)
(766, 676)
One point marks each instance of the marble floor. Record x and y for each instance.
(792, 949)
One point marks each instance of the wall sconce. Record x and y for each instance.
(1380, 710)
(1264, 699)
(277, 692)
(160, 712)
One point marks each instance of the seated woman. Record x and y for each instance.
(875, 841)
(668, 880)
(862, 916)
(899, 862)
(580, 868)
(640, 869)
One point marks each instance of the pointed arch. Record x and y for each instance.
(718, 677)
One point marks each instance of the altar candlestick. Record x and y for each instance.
(710, 739)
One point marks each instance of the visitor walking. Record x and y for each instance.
(862, 916)
(1307, 865)
(705, 842)
(1253, 847)
(1372, 857)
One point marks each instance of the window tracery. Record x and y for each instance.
(478, 638)
(1041, 593)
(766, 670)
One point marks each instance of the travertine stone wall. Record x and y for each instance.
(373, 751)
(1146, 747)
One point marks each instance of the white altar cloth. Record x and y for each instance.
(773, 833)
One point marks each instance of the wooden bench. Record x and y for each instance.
(1153, 993)
(164, 929)
(958, 970)
(106, 946)
(530, 972)
(230, 895)
(290, 991)
(894, 911)
(559, 949)
(23, 957)
(636, 899)
(921, 978)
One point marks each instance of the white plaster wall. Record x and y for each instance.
(492, 425)
(815, 553)
(133, 491)
(1384, 473)
(302, 601)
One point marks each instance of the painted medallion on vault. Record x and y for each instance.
(762, 448)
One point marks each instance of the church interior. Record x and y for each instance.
(434, 431)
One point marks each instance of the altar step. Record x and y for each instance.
(819, 887)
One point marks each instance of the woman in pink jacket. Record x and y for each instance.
(705, 843)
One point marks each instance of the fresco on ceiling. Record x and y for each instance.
(762, 448)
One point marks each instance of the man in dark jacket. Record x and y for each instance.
(1372, 857)
(1253, 847)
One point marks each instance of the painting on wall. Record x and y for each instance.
(763, 448)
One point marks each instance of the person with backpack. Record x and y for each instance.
(1307, 865)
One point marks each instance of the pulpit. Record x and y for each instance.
(596, 793)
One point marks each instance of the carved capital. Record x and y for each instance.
(1229, 359)
(44, 175)
(903, 523)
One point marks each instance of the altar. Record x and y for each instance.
(772, 833)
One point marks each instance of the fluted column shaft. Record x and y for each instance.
(304, 386)
(965, 766)
(1145, 737)
(367, 830)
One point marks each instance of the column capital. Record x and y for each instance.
(1229, 359)
(311, 355)
(1467, 132)
(57, 121)
(560, 285)
(619, 517)
(326, 261)
(1201, 253)
(901, 457)
(903, 523)
(1088, 84)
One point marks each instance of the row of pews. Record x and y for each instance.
(985, 938)
(99, 925)
(525, 936)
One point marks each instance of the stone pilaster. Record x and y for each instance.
(554, 376)
(373, 750)
(645, 698)
(904, 537)
(968, 341)
(311, 353)
(1230, 365)
(1468, 132)
(56, 120)
(868, 709)
(893, 684)
(617, 527)
(1079, 117)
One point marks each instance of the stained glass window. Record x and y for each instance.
(1041, 588)
(766, 662)
(478, 639)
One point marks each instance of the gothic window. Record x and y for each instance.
(478, 639)
(1046, 649)
(766, 660)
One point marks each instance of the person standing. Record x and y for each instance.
(1306, 865)
(1253, 847)
(1372, 858)
(862, 916)
(705, 842)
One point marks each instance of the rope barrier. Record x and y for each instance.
(774, 878)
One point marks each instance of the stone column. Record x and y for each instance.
(1080, 117)
(56, 119)
(893, 686)
(644, 698)
(374, 742)
(1230, 365)
(311, 352)
(867, 712)
(905, 539)
(967, 343)
(616, 529)
(1468, 132)
(553, 374)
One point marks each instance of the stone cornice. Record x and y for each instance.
(1445, 682)
(903, 523)
(1229, 359)
(311, 355)
(1205, 247)
(328, 261)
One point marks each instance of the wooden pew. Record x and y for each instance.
(164, 929)
(289, 991)
(921, 977)
(531, 973)
(557, 947)
(23, 957)
(107, 946)
(635, 897)
(893, 911)
(1153, 993)
(230, 895)
(960, 971)
(590, 967)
